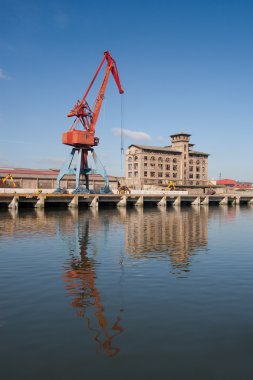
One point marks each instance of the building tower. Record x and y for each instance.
(180, 142)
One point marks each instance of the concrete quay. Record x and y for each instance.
(14, 201)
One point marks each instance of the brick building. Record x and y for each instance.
(155, 166)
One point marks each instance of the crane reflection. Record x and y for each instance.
(80, 282)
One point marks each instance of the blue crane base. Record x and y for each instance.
(79, 170)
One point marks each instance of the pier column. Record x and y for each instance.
(177, 201)
(74, 201)
(94, 202)
(162, 202)
(205, 202)
(14, 202)
(224, 201)
(139, 202)
(122, 202)
(196, 202)
(250, 202)
(40, 202)
(236, 201)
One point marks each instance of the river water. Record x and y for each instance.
(127, 294)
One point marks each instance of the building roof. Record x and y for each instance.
(156, 148)
(225, 181)
(180, 134)
(167, 149)
(192, 152)
(38, 172)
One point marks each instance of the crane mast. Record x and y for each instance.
(83, 140)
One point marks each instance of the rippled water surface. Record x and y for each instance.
(127, 294)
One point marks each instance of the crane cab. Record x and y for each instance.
(79, 139)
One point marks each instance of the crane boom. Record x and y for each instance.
(85, 114)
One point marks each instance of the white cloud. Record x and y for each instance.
(134, 135)
(3, 75)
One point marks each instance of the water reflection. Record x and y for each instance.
(178, 233)
(175, 234)
(80, 278)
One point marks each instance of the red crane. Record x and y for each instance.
(84, 140)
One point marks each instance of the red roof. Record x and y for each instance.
(230, 182)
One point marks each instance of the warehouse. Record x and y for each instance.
(46, 179)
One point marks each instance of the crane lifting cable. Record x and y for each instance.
(122, 134)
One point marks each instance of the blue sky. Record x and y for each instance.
(184, 66)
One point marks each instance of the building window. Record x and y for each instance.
(129, 174)
(145, 158)
(197, 162)
(135, 158)
(160, 174)
(167, 167)
(145, 165)
(152, 174)
(160, 159)
(191, 175)
(197, 176)
(184, 172)
(174, 167)
(152, 166)
(130, 166)
(160, 166)
(145, 174)
(185, 147)
(136, 174)
(185, 164)
(152, 158)
(160, 181)
(185, 156)
(135, 166)
(203, 162)
(197, 169)
(174, 160)
(203, 176)
(203, 168)
(167, 175)
(191, 162)
(191, 168)
(167, 159)
(174, 175)
(130, 159)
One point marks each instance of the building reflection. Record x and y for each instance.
(80, 283)
(178, 233)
